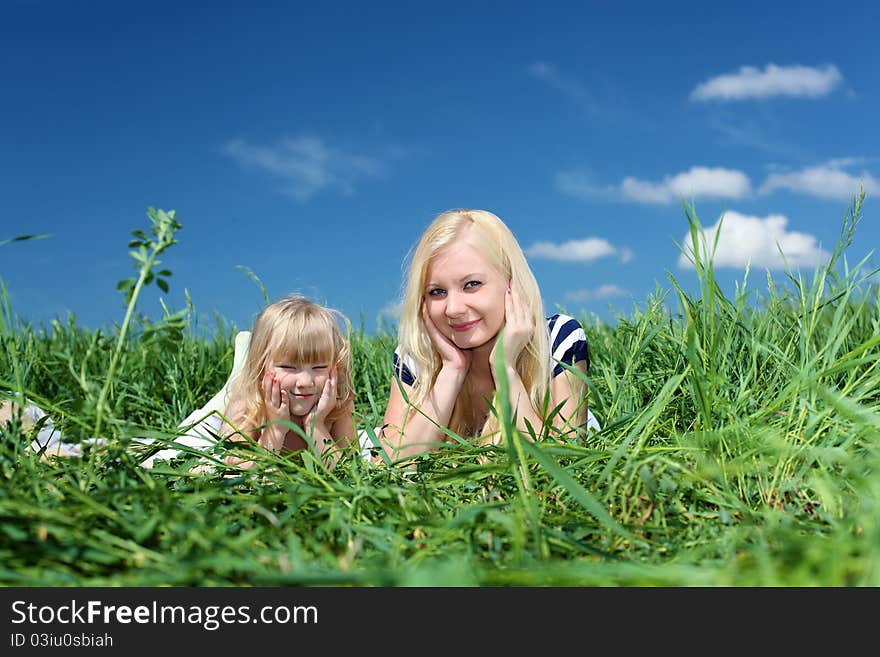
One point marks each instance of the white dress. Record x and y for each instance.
(203, 425)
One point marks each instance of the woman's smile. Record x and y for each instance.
(467, 326)
(464, 295)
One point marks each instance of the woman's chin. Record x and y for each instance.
(470, 342)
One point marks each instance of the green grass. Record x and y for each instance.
(740, 447)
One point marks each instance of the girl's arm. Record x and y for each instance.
(235, 412)
(329, 442)
(341, 436)
(270, 438)
(342, 430)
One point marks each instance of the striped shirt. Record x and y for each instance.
(568, 344)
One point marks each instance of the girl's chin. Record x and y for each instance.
(300, 410)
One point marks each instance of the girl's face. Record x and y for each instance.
(464, 295)
(304, 382)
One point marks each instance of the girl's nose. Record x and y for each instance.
(304, 378)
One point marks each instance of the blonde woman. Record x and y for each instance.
(297, 369)
(468, 278)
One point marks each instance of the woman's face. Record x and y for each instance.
(464, 295)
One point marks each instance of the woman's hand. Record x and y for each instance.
(450, 354)
(518, 329)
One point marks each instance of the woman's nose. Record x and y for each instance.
(454, 305)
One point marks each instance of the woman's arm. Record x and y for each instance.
(521, 406)
(518, 329)
(566, 389)
(570, 390)
(408, 432)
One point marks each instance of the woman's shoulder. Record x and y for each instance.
(568, 341)
(560, 326)
(404, 366)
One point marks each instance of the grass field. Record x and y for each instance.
(740, 447)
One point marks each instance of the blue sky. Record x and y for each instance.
(312, 144)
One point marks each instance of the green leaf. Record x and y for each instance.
(573, 488)
(22, 238)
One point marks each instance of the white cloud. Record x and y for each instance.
(579, 184)
(827, 180)
(753, 240)
(750, 82)
(392, 310)
(743, 131)
(697, 182)
(569, 86)
(606, 291)
(306, 165)
(644, 191)
(586, 250)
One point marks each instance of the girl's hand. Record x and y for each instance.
(277, 408)
(450, 354)
(326, 403)
(277, 402)
(518, 329)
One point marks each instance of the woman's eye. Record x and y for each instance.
(472, 284)
(436, 292)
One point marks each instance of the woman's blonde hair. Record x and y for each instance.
(496, 243)
(301, 331)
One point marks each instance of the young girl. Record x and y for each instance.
(468, 277)
(297, 369)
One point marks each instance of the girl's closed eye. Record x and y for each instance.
(296, 367)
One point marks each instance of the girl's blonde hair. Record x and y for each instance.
(301, 331)
(496, 243)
